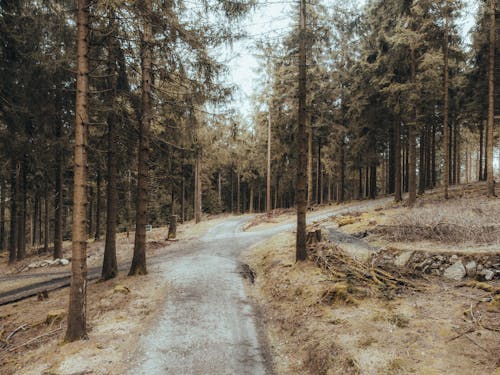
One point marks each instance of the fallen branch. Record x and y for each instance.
(35, 339)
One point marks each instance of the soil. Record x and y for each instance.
(430, 331)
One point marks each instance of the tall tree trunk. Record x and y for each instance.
(77, 320)
(412, 154)
(219, 187)
(197, 188)
(300, 195)
(491, 101)
(421, 163)
(183, 197)
(446, 130)
(98, 201)
(318, 174)
(397, 162)
(309, 161)
(250, 200)
(3, 245)
(481, 148)
(13, 212)
(138, 266)
(268, 173)
(458, 159)
(21, 211)
(238, 194)
(109, 264)
(373, 181)
(58, 199)
(341, 192)
(90, 212)
(46, 221)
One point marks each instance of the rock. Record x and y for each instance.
(487, 274)
(121, 289)
(455, 272)
(479, 267)
(55, 316)
(454, 258)
(403, 258)
(471, 268)
(64, 262)
(33, 265)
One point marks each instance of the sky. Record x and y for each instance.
(273, 19)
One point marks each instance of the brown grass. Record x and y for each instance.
(453, 222)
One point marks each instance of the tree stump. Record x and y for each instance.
(172, 227)
(314, 237)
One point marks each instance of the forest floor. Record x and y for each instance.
(331, 315)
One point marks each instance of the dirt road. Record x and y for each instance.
(208, 325)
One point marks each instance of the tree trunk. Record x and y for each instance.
(197, 189)
(300, 195)
(412, 153)
(98, 201)
(109, 264)
(3, 245)
(481, 144)
(397, 162)
(138, 266)
(46, 219)
(341, 191)
(77, 326)
(268, 174)
(21, 216)
(491, 101)
(250, 208)
(238, 194)
(446, 130)
(309, 161)
(58, 199)
(373, 181)
(318, 175)
(13, 212)
(421, 163)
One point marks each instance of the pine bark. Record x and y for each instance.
(77, 320)
(397, 162)
(13, 213)
(197, 188)
(491, 101)
(109, 264)
(138, 266)
(300, 196)
(58, 198)
(268, 173)
(21, 211)
(309, 161)
(98, 202)
(3, 245)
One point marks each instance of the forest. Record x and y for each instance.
(119, 117)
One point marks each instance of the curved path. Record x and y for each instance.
(208, 325)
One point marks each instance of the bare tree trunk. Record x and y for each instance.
(138, 266)
(109, 264)
(98, 201)
(58, 199)
(3, 244)
(219, 187)
(446, 130)
(318, 175)
(300, 196)
(21, 211)
(412, 151)
(46, 219)
(491, 102)
(341, 187)
(238, 194)
(77, 315)
(250, 208)
(309, 161)
(13, 212)
(197, 188)
(397, 162)
(268, 174)
(481, 148)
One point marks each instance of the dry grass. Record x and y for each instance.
(455, 221)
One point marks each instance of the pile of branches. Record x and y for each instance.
(358, 278)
